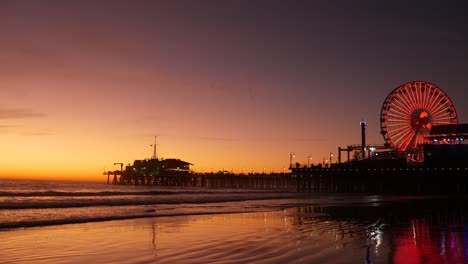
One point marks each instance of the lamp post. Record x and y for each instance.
(309, 158)
(331, 156)
(291, 156)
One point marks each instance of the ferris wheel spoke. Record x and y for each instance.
(396, 134)
(403, 101)
(424, 94)
(442, 100)
(398, 121)
(409, 141)
(396, 100)
(408, 95)
(396, 128)
(443, 123)
(433, 98)
(440, 107)
(438, 121)
(420, 95)
(416, 94)
(398, 124)
(407, 98)
(399, 131)
(392, 120)
(401, 105)
(450, 119)
(413, 95)
(401, 110)
(411, 101)
(397, 115)
(442, 114)
(427, 94)
(398, 140)
(392, 116)
(436, 103)
(402, 133)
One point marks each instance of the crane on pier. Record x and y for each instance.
(121, 165)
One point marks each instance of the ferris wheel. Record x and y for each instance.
(409, 112)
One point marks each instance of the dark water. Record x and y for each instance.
(40, 203)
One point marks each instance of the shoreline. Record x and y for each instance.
(149, 210)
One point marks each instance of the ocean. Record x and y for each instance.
(27, 203)
(75, 222)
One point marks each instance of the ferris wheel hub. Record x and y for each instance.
(420, 119)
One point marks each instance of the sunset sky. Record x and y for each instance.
(224, 84)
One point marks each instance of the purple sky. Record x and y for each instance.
(225, 83)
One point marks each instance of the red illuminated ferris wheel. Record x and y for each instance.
(409, 112)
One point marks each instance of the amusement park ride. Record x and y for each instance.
(411, 117)
(410, 112)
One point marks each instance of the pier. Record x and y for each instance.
(319, 180)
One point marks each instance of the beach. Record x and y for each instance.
(267, 237)
(214, 228)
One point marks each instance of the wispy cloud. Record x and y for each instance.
(38, 133)
(19, 113)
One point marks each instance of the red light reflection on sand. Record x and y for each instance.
(421, 244)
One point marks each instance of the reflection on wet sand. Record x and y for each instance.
(426, 231)
(419, 232)
(416, 232)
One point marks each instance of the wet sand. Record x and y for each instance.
(267, 237)
(333, 234)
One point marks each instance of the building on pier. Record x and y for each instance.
(154, 167)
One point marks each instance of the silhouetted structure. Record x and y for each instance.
(363, 138)
(412, 161)
(447, 146)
